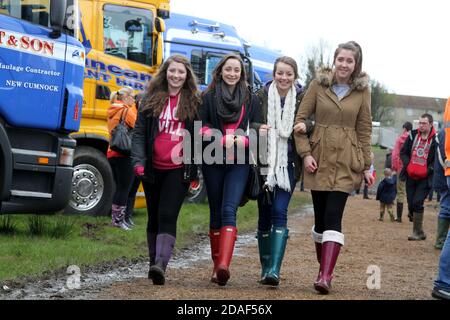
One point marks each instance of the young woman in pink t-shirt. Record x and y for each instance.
(165, 119)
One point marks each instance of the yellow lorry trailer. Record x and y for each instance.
(124, 47)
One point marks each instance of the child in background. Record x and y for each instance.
(386, 194)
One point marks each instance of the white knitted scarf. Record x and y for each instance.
(281, 122)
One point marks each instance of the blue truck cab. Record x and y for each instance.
(262, 60)
(204, 42)
(41, 97)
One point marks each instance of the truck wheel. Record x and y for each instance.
(92, 183)
(197, 190)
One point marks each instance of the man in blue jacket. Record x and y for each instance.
(441, 289)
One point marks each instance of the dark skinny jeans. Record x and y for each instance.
(225, 185)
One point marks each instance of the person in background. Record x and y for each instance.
(129, 211)
(279, 100)
(417, 155)
(228, 110)
(397, 166)
(386, 193)
(166, 116)
(122, 106)
(441, 186)
(430, 195)
(336, 157)
(441, 288)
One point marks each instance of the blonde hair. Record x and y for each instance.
(120, 94)
(387, 172)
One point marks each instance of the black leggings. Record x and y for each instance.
(164, 200)
(123, 177)
(328, 210)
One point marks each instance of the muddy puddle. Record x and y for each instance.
(73, 284)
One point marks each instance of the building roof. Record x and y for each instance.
(415, 102)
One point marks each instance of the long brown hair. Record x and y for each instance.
(157, 92)
(217, 73)
(357, 53)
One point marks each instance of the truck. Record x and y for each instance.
(124, 47)
(262, 59)
(41, 99)
(204, 42)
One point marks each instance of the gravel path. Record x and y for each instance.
(407, 269)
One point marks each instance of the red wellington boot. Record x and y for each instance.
(226, 247)
(214, 239)
(331, 246)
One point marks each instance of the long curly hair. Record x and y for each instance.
(157, 92)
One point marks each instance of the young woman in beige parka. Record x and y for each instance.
(337, 154)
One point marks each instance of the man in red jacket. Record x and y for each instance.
(397, 166)
(417, 156)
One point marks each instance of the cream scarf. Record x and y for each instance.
(281, 122)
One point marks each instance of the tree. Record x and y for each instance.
(317, 56)
(381, 101)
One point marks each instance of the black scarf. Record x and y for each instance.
(229, 105)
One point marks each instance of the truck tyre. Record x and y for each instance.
(92, 183)
(197, 190)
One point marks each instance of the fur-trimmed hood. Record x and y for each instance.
(325, 77)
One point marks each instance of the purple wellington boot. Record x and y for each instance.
(117, 216)
(164, 247)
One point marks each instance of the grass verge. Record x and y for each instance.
(32, 246)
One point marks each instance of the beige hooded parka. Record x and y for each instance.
(341, 139)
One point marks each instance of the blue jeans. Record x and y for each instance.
(444, 212)
(225, 185)
(276, 214)
(442, 281)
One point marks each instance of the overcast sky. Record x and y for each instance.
(406, 44)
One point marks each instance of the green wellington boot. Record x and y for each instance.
(264, 253)
(278, 240)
